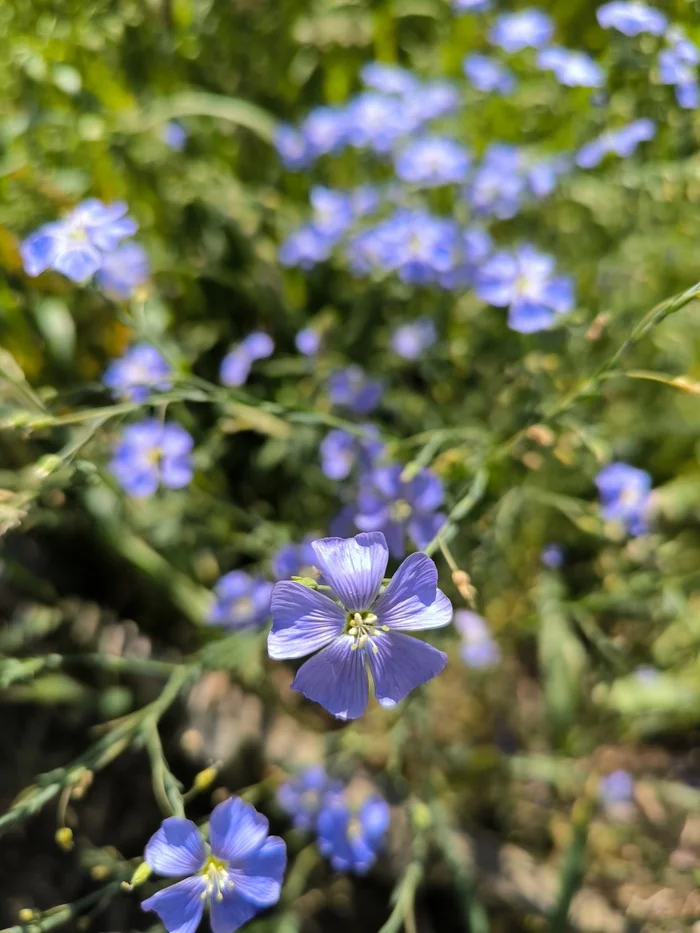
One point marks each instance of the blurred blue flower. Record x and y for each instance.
(525, 283)
(174, 136)
(332, 212)
(487, 74)
(498, 186)
(305, 247)
(616, 788)
(305, 795)
(376, 121)
(352, 840)
(622, 142)
(143, 369)
(631, 18)
(241, 601)
(308, 341)
(471, 6)
(624, 496)
(123, 270)
(324, 131)
(475, 245)
(395, 507)
(292, 147)
(365, 200)
(478, 650)
(362, 632)
(678, 65)
(571, 68)
(236, 365)
(342, 525)
(432, 161)
(543, 176)
(412, 339)
(553, 556)
(352, 388)
(522, 30)
(150, 454)
(341, 451)
(431, 100)
(388, 79)
(294, 560)
(688, 95)
(237, 875)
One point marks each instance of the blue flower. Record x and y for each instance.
(342, 451)
(294, 560)
(236, 365)
(352, 388)
(543, 176)
(522, 30)
(678, 65)
(305, 247)
(631, 18)
(395, 507)
(123, 270)
(361, 631)
(498, 186)
(236, 875)
(174, 136)
(432, 161)
(471, 6)
(150, 454)
(553, 556)
(76, 245)
(488, 75)
(573, 69)
(524, 282)
(304, 796)
(376, 121)
(324, 131)
(479, 650)
(616, 788)
(622, 142)
(241, 601)
(624, 496)
(476, 244)
(292, 147)
(332, 212)
(412, 339)
(388, 79)
(432, 100)
(141, 370)
(352, 840)
(308, 341)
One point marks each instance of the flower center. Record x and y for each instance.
(215, 872)
(354, 828)
(242, 608)
(309, 799)
(400, 511)
(361, 626)
(154, 456)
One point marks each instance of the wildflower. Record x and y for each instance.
(291, 147)
(365, 200)
(631, 18)
(432, 161)
(573, 69)
(478, 647)
(332, 212)
(524, 282)
(341, 451)
(236, 365)
(352, 388)
(616, 788)
(412, 339)
(524, 29)
(543, 176)
(150, 454)
(376, 121)
(498, 186)
(471, 6)
(241, 601)
(622, 142)
(324, 131)
(140, 371)
(624, 496)
(353, 839)
(363, 629)
(388, 79)
(236, 875)
(174, 136)
(308, 341)
(294, 560)
(488, 75)
(678, 65)
(474, 246)
(553, 556)
(304, 796)
(388, 504)
(123, 270)
(431, 100)
(305, 247)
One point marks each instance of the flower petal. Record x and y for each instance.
(230, 913)
(336, 678)
(399, 663)
(180, 906)
(236, 829)
(259, 878)
(176, 848)
(354, 567)
(412, 600)
(303, 620)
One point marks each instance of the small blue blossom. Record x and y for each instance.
(498, 186)
(341, 451)
(362, 631)
(388, 79)
(365, 200)
(143, 369)
(353, 839)
(471, 6)
(616, 788)
(624, 496)
(525, 283)
(553, 556)
(543, 176)
(433, 161)
(632, 18)
(622, 142)
(174, 135)
(377, 121)
(305, 247)
(292, 147)
(304, 796)
(571, 68)
(478, 650)
(324, 131)
(352, 388)
(308, 341)
(294, 560)
(525, 29)
(488, 75)
(678, 65)
(238, 874)
(412, 339)
(236, 365)
(475, 246)
(396, 507)
(241, 601)
(432, 100)
(123, 270)
(152, 454)
(332, 212)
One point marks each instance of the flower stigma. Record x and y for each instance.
(217, 877)
(361, 626)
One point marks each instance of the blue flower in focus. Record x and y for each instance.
(152, 454)
(525, 283)
(412, 339)
(498, 186)
(353, 839)
(616, 788)
(76, 245)
(241, 601)
(488, 75)
(294, 560)
(304, 796)
(324, 131)
(553, 556)
(624, 496)
(395, 507)
(525, 29)
(622, 142)
(123, 270)
(236, 875)
(478, 650)
(308, 341)
(305, 247)
(571, 68)
(363, 631)
(291, 147)
(236, 365)
(471, 6)
(332, 212)
(388, 79)
(174, 136)
(433, 161)
(141, 370)
(678, 65)
(341, 451)
(632, 18)
(352, 388)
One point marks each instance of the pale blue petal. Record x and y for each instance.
(400, 663)
(236, 829)
(423, 527)
(303, 620)
(528, 317)
(176, 472)
(232, 912)
(375, 817)
(259, 878)
(78, 263)
(176, 849)
(412, 600)
(180, 906)
(336, 678)
(354, 567)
